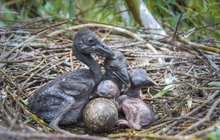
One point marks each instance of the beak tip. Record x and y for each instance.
(113, 56)
(151, 82)
(154, 83)
(129, 85)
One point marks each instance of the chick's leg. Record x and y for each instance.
(64, 109)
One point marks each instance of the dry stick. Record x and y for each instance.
(176, 29)
(156, 55)
(188, 75)
(165, 45)
(19, 61)
(203, 120)
(4, 111)
(202, 27)
(172, 43)
(19, 135)
(92, 25)
(107, 34)
(157, 126)
(11, 81)
(203, 88)
(198, 56)
(213, 65)
(190, 44)
(127, 45)
(179, 119)
(32, 44)
(16, 99)
(32, 74)
(145, 135)
(14, 120)
(54, 25)
(35, 50)
(71, 59)
(30, 71)
(31, 59)
(20, 45)
(29, 78)
(51, 66)
(164, 130)
(197, 45)
(204, 131)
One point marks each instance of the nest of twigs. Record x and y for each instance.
(31, 57)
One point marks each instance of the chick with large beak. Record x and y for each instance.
(103, 50)
(61, 101)
(92, 44)
(115, 72)
(123, 79)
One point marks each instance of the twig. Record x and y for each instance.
(202, 27)
(176, 28)
(92, 25)
(34, 117)
(11, 81)
(19, 135)
(204, 131)
(197, 45)
(196, 77)
(203, 120)
(32, 59)
(71, 59)
(204, 88)
(211, 63)
(164, 130)
(20, 45)
(54, 25)
(32, 74)
(161, 124)
(145, 135)
(95, 25)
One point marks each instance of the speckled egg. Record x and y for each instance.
(100, 115)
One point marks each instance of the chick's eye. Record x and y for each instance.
(91, 40)
(111, 66)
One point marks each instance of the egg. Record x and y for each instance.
(100, 115)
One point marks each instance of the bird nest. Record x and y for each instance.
(187, 97)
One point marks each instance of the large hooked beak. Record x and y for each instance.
(123, 76)
(104, 51)
(151, 82)
(147, 81)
